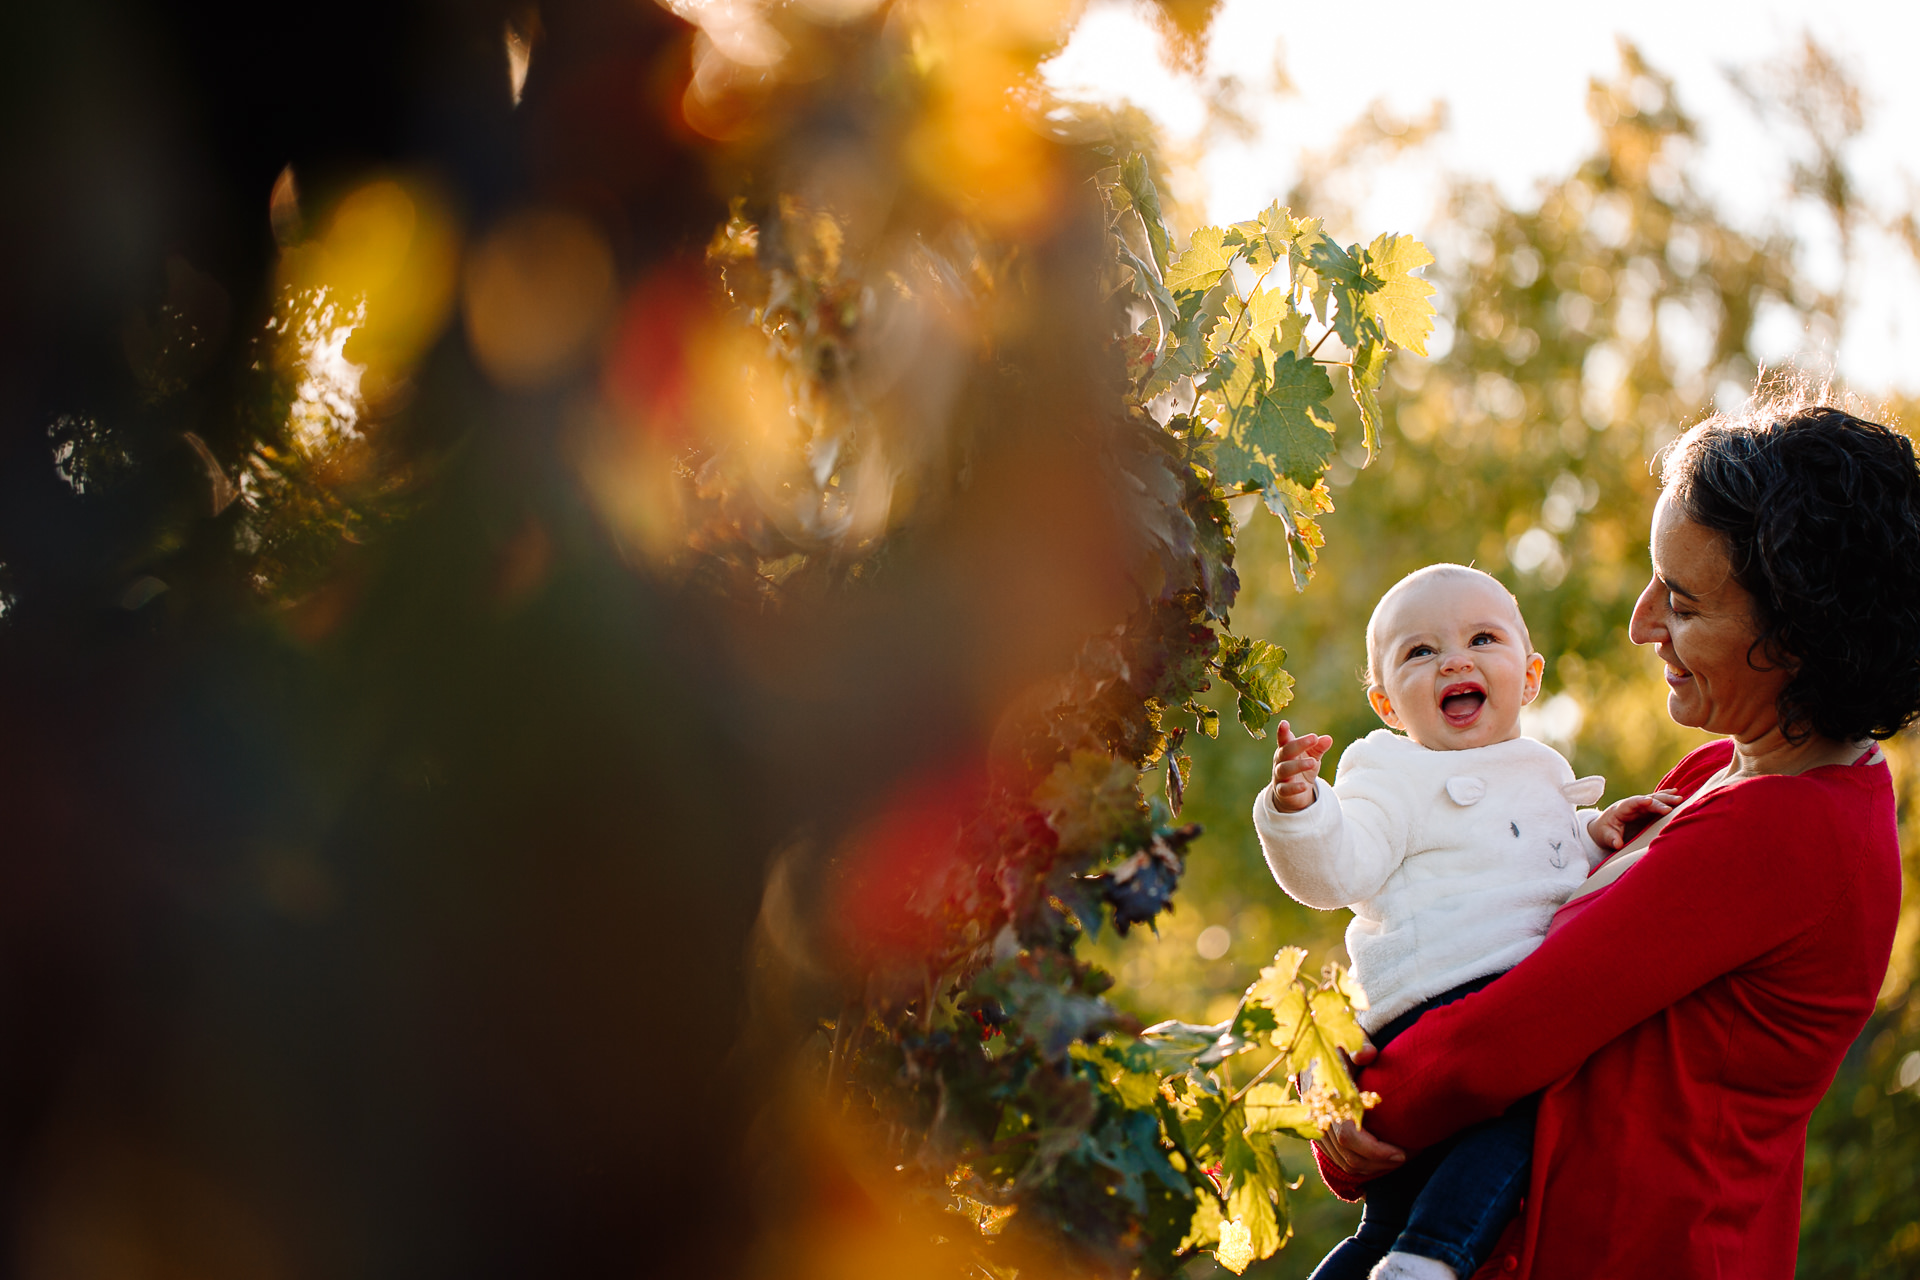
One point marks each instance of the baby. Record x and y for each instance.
(1453, 845)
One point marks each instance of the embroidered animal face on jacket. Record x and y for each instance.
(1548, 831)
(1452, 665)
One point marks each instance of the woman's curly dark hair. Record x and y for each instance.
(1821, 514)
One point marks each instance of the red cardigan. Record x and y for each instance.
(1683, 1024)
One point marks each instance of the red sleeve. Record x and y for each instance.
(1337, 1179)
(1724, 883)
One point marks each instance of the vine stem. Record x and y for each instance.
(1241, 1092)
(845, 1028)
(1246, 304)
(1312, 351)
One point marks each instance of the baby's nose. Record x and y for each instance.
(1458, 660)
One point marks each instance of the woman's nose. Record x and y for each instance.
(1643, 626)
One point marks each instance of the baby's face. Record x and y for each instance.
(1453, 664)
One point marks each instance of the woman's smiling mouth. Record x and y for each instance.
(1461, 704)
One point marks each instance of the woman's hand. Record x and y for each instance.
(1352, 1149)
(1358, 1153)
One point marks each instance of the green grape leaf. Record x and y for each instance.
(1277, 994)
(1134, 1088)
(1274, 425)
(1263, 241)
(1146, 202)
(1203, 265)
(1204, 1231)
(1363, 379)
(1255, 1182)
(1400, 300)
(1129, 1144)
(1334, 1017)
(1329, 1028)
(1202, 1130)
(1267, 317)
(1349, 986)
(1272, 1108)
(1296, 506)
(1337, 275)
(1147, 285)
(1252, 1021)
(1175, 1046)
(1044, 1012)
(1186, 354)
(1255, 669)
(1091, 800)
(1277, 978)
(1289, 1012)
(1226, 331)
(1274, 322)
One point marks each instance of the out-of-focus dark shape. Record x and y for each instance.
(283, 208)
(398, 725)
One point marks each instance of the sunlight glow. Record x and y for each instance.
(326, 400)
(1277, 94)
(519, 57)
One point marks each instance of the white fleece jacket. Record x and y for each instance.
(1453, 861)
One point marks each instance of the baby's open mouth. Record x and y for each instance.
(1461, 704)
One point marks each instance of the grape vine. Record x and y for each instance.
(1013, 1092)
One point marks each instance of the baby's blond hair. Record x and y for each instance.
(1444, 569)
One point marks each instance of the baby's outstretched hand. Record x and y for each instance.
(1296, 764)
(1609, 830)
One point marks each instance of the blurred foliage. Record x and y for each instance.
(972, 1039)
(619, 495)
(1586, 330)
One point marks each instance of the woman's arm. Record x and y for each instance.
(1725, 882)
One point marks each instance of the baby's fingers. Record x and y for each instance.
(1291, 747)
(1294, 767)
(1658, 802)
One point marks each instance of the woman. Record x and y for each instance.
(1691, 1004)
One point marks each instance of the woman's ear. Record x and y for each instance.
(1383, 705)
(1536, 671)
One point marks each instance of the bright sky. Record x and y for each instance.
(1514, 76)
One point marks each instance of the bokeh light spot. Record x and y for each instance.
(538, 290)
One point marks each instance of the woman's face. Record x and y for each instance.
(1701, 623)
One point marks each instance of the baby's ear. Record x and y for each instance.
(1536, 671)
(1382, 706)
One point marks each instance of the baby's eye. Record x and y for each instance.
(1485, 637)
(1421, 651)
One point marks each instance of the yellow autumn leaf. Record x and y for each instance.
(1276, 979)
(1236, 1247)
(1349, 986)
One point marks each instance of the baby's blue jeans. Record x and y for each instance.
(1450, 1202)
